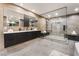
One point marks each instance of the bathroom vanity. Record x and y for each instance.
(72, 37)
(19, 27)
(13, 38)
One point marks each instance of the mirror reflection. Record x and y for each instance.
(14, 21)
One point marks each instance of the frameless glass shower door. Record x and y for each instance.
(57, 21)
(57, 28)
(57, 24)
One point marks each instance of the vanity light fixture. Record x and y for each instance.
(7, 21)
(76, 9)
(12, 22)
(11, 16)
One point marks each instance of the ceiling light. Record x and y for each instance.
(33, 10)
(56, 14)
(76, 9)
(21, 4)
(49, 16)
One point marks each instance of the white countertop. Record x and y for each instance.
(19, 31)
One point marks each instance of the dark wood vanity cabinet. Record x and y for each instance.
(72, 37)
(15, 38)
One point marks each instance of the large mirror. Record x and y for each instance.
(11, 20)
(14, 21)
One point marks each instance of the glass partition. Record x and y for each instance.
(57, 25)
(57, 21)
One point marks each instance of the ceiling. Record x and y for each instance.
(41, 8)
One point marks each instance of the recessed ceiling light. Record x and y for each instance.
(76, 9)
(56, 14)
(33, 10)
(21, 4)
(49, 16)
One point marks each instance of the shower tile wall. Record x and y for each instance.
(72, 23)
(55, 25)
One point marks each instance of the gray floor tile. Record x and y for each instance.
(41, 47)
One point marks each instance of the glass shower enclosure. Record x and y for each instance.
(57, 24)
(57, 21)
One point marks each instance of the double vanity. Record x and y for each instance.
(13, 38)
(19, 27)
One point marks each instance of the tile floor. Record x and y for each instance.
(46, 46)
